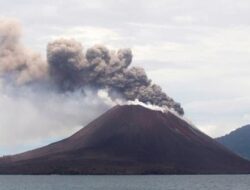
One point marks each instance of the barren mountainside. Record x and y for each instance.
(130, 139)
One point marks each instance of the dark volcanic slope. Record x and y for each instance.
(238, 141)
(130, 140)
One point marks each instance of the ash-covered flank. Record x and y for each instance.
(130, 139)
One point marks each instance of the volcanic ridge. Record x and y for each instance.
(130, 139)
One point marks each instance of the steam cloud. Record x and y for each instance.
(69, 68)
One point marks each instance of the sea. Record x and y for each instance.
(126, 182)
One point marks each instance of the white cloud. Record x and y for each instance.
(213, 130)
(89, 35)
(184, 19)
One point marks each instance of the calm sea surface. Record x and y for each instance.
(203, 182)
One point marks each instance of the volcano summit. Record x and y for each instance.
(130, 139)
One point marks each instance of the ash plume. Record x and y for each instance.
(98, 67)
(69, 68)
(15, 60)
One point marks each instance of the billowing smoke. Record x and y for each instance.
(70, 69)
(16, 61)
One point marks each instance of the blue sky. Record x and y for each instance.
(198, 51)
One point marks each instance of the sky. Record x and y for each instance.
(198, 51)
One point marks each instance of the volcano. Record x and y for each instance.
(130, 139)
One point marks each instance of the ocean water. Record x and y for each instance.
(146, 182)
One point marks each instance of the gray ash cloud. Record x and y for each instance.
(16, 60)
(69, 68)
